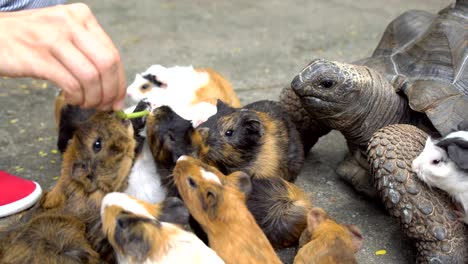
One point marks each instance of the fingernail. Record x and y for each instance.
(119, 105)
(105, 107)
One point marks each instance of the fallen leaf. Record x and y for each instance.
(381, 252)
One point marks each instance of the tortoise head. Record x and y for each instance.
(328, 88)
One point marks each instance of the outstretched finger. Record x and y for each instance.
(83, 70)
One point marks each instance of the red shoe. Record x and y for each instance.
(17, 194)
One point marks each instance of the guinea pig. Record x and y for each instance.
(443, 163)
(190, 92)
(327, 242)
(144, 181)
(218, 203)
(49, 237)
(170, 136)
(66, 220)
(259, 139)
(141, 232)
(280, 209)
(67, 117)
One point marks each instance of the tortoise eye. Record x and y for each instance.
(97, 145)
(327, 84)
(229, 133)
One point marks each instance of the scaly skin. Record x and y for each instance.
(309, 128)
(425, 214)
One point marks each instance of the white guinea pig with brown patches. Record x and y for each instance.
(218, 203)
(190, 92)
(443, 163)
(141, 232)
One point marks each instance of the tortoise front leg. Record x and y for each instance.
(426, 215)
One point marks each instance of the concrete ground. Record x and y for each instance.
(259, 46)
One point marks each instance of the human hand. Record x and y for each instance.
(65, 45)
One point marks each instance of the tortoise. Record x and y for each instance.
(414, 84)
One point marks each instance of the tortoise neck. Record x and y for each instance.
(378, 107)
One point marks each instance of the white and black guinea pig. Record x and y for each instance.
(443, 163)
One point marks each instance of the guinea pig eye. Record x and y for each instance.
(229, 133)
(327, 83)
(145, 86)
(191, 182)
(435, 162)
(97, 145)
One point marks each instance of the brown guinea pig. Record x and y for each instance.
(259, 139)
(218, 203)
(48, 237)
(66, 219)
(280, 209)
(141, 232)
(327, 242)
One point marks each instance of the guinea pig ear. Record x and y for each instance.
(173, 210)
(314, 218)
(70, 118)
(457, 151)
(81, 172)
(356, 237)
(130, 236)
(241, 181)
(203, 131)
(210, 202)
(221, 106)
(254, 126)
(459, 155)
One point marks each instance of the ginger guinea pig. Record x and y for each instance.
(218, 203)
(66, 219)
(141, 232)
(443, 163)
(259, 139)
(190, 92)
(327, 242)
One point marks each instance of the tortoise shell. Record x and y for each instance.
(424, 56)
